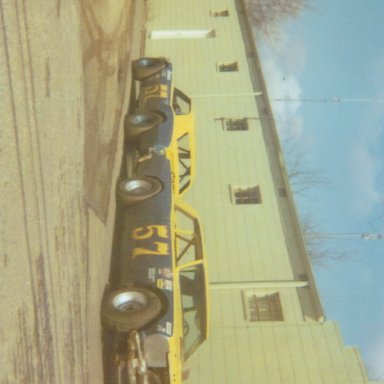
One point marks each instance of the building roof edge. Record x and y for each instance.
(262, 100)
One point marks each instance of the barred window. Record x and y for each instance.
(265, 308)
(228, 67)
(221, 13)
(236, 124)
(250, 195)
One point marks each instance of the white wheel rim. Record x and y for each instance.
(129, 301)
(137, 187)
(142, 120)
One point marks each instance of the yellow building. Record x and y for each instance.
(267, 322)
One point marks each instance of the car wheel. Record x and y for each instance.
(126, 378)
(146, 67)
(139, 123)
(131, 308)
(134, 190)
(153, 378)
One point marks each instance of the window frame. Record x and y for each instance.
(249, 195)
(220, 13)
(268, 307)
(228, 67)
(236, 125)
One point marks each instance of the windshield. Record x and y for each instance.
(188, 242)
(193, 302)
(181, 103)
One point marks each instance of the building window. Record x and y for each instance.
(246, 195)
(236, 124)
(263, 307)
(228, 67)
(222, 13)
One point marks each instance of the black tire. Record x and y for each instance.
(135, 190)
(139, 123)
(146, 67)
(153, 378)
(131, 308)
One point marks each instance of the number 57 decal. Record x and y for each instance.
(150, 234)
(156, 91)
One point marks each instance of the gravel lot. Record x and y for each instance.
(64, 87)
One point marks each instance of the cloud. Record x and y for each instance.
(366, 170)
(282, 63)
(376, 356)
(364, 173)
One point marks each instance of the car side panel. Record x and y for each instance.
(142, 247)
(155, 94)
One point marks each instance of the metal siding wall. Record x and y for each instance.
(255, 249)
(276, 354)
(243, 243)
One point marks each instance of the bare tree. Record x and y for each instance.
(318, 252)
(267, 15)
(301, 177)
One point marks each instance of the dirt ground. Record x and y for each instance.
(64, 87)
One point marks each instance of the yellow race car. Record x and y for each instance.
(155, 306)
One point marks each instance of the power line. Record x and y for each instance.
(363, 236)
(330, 100)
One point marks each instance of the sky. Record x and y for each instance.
(325, 78)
